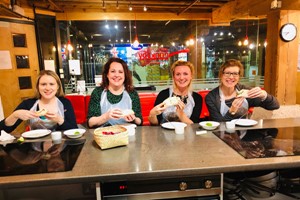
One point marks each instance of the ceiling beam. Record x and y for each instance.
(188, 7)
(55, 6)
(240, 9)
(97, 15)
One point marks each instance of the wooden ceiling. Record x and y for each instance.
(122, 6)
(215, 11)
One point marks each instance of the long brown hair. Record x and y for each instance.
(128, 78)
(59, 93)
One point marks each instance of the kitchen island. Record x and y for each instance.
(157, 153)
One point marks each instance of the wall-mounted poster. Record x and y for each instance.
(5, 60)
(49, 65)
(74, 66)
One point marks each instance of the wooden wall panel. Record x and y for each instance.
(281, 58)
(10, 93)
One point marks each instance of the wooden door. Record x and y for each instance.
(18, 63)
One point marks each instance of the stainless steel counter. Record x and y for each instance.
(155, 152)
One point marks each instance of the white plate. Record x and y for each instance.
(36, 133)
(71, 133)
(244, 122)
(171, 125)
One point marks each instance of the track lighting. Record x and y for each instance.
(145, 8)
(117, 6)
(130, 7)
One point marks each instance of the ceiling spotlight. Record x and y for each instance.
(145, 8)
(130, 7)
(103, 4)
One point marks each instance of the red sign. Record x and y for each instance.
(146, 56)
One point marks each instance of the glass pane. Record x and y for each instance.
(22, 62)
(19, 40)
(25, 82)
(160, 44)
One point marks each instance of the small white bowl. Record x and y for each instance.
(209, 125)
(74, 133)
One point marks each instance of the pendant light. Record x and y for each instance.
(135, 43)
(246, 41)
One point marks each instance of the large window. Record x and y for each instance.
(160, 43)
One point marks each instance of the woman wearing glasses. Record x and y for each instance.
(223, 103)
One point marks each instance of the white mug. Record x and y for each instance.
(230, 125)
(179, 129)
(56, 137)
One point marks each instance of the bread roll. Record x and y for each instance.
(42, 112)
(172, 101)
(242, 93)
(127, 112)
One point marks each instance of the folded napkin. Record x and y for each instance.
(6, 137)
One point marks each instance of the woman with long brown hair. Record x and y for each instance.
(115, 101)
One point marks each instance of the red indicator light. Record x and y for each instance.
(122, 187)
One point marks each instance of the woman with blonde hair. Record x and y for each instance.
(188, 108)
(49, 109)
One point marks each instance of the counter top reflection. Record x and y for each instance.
(156, 152)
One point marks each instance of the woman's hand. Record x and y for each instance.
(25, 114)
(55, 117)
(257, 92)
(114, 113)
(179, 108)
(236, 104)
(158, 109)
(130, 117)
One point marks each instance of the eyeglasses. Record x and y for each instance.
(228, 74)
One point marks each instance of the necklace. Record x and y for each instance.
(182, 98)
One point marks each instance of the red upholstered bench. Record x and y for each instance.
(78, 103)
(204, 112)
(147, 102)
(87, 101)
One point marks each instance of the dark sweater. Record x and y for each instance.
(195, 117)
(69, 123)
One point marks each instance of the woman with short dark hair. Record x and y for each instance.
(231, 100)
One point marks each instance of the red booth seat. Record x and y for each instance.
(78, 103)
(147, 103)
(204, 112)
